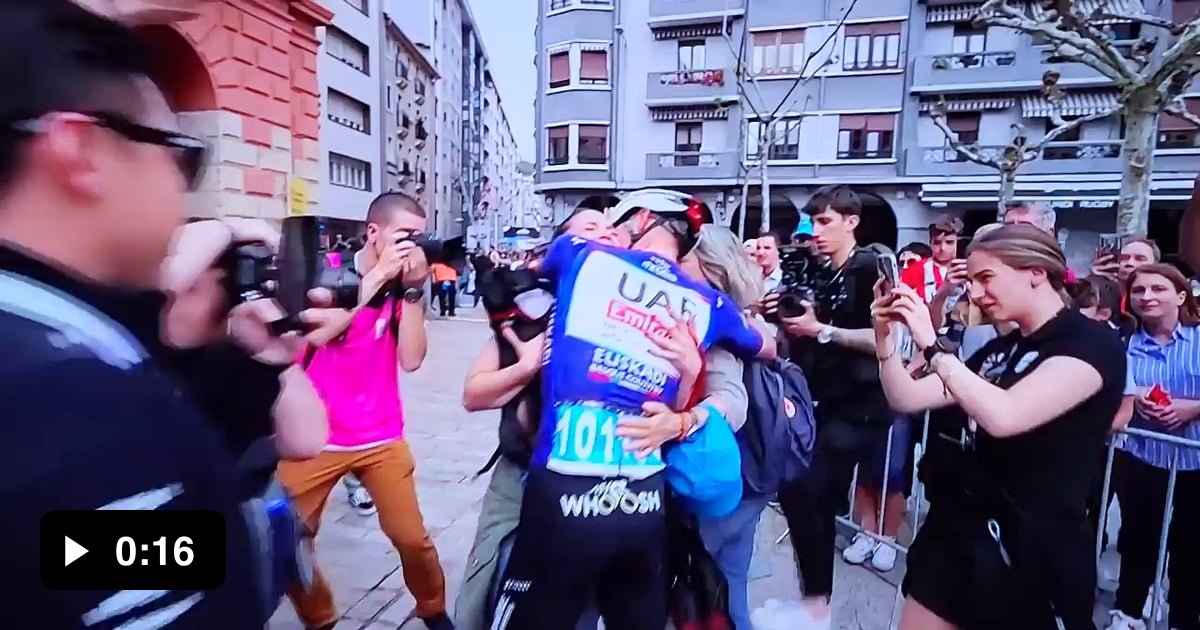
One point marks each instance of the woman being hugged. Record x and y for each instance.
(1011, 541)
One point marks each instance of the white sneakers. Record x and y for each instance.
(786, 615)
(863, 548)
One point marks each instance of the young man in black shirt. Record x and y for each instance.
(92, 183)
(836, 350)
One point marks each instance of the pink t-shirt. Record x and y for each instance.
(358, 378)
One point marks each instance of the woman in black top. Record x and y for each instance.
(1010, 542)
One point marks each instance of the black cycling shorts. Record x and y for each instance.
(581, 536)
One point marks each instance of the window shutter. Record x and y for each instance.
(560, 68)
(852, 123)
(593, 65)
(881, 122)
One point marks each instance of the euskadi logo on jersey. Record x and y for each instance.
(612, 366)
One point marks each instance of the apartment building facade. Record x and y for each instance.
(351, 137)
(410, 146)
(500, 169)
(634, 94)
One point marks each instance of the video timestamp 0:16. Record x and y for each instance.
(132, 549)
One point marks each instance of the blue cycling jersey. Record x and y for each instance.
(598, 364)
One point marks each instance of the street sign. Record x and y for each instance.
(297, 196)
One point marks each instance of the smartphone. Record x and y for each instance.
(889, 271)
(1159, 396)
(1110, 245)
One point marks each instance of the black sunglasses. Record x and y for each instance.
(191, 154)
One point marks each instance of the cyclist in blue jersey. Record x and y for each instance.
(592, 517)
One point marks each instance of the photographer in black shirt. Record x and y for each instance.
(1007, 542)
(92, 181)
(836, 351)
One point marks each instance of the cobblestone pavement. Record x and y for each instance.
(450, 444)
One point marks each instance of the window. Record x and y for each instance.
(872, 46)
(968, 39)
(361, 5)
(778, 52)
(687, 141)
(1177, 133)
(349, 112)
(865, 137)
(1070, 136)
(401, 68)
(405, 121)
(593, 67)
(593, 144)
(1184, 11)
(965, 126)
(559, 4)
(560, 69)
(559, 149)
(346, 49)
(349, 172)
(420, 132)
(691, 54)
(419, 88)
(785, 144)
(389, 98)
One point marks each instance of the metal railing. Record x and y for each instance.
(918, 508)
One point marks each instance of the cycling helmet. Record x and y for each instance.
(680, 212)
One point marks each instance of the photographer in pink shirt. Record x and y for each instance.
(355, 368)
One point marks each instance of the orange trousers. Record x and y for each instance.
(386, 471)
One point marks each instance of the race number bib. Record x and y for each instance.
(586, 443)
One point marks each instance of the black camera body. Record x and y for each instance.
(253, 271)
(501, 290)
(807, 277)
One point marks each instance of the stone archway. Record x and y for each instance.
(598, 202)
(178, 69)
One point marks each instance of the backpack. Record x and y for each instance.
(780, 432)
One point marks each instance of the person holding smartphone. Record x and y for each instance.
(1009, 537)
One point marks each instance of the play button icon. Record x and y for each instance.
(73, 551)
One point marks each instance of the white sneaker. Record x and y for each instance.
(884, 558)
(361, 501)
(1162, 605)
(1121, 621)
(860, 550)
(786, 615)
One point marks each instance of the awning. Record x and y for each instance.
(702, 112)
(1087, 8)
(972, 104)
(687, 32)
(1060, 195)
(952, 13)
(1072, 104)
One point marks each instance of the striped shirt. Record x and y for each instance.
(1176, 368)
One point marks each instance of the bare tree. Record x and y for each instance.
(1150, 77)
(1008, 159)
(768, 127)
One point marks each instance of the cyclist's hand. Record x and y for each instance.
(643, 435)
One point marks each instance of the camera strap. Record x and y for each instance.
(78, 323)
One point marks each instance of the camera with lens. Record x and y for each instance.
(807, 277)
(253, 271)
(519, 297)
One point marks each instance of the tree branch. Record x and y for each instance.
(1185, 48)
(970, 152)
(1069, 125)
(1177, 108)
(802, 79)
(1081, 45)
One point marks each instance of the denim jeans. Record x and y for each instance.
(730, 540)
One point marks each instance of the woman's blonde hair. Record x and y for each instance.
(724, 263)
(1025, 247)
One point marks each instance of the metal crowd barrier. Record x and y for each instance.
(917, 505)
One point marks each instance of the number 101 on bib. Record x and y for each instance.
(586, 443)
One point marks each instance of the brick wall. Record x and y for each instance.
(261, 57)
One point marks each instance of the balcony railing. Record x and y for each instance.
(968, 61)
(691, 164)
(683, 84)
(1052, 151)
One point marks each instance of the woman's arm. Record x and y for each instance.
(726, 388)
(490, 387)
(301, 424)
(906, 394)
(1124, 414)
(1055, 387)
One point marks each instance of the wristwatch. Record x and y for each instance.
(941, 345)
(825, 335)
(413, 295)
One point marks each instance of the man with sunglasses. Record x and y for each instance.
(93, 179)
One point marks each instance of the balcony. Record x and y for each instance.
(668, 13)
(683, 87)
(692, 165)
(975, 71)
(1057, 157)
